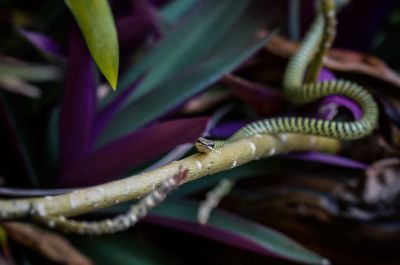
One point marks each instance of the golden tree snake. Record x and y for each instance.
(311, 52)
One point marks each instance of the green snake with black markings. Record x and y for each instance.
(318, 39)
(321, 36)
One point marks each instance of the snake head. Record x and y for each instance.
(204, 145)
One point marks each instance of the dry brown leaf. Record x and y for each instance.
(382, 184)
(374, 195)
(51, 245)
(263, 99)
(205, 102)
(391, 146)
(302, 204)
(341, 60)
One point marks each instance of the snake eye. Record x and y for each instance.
(204, 145)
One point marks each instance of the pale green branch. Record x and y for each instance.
(136, 186)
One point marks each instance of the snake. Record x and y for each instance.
(317, 40)
(320, 35)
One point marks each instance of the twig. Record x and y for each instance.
(213, 198)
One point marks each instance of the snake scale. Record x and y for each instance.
(320, 35)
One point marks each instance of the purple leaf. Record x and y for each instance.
(329, 105)
(325, 75)
(226, 129)
(230, 229)
(210, 232)
(41, 41)
(329, 159)
(143, 21)
(327, 109)
(339, 101)
(107, 113)
(133, 30)
(78, 106)
(129, 151)
(266, 101)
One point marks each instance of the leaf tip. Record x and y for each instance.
(113, 82)
(112, 77)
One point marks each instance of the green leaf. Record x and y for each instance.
(97, 25)
(235, 46)
(30, 72)
(117, 249)
(183, 46)
(174, 10)
(268, 239)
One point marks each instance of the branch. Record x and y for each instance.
(120, 222)
(136, 186)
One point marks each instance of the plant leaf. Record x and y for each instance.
(338, 101)
(173, 10)
(97, 24)
(30, 72)
(342, 61)
(145, 24)
(79, 103)
(226, 129)
(120, 250)
(329, 159)
(239, 43)
(19, 87)
(132, 150)
(103, 117)
(42, 42)
(265, 100)
(189, 41)
(232, 230)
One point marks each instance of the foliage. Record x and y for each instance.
(181, 64)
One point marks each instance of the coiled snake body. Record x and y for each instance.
(320, 34)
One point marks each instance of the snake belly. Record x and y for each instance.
(299, 93)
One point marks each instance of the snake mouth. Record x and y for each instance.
(204, 145)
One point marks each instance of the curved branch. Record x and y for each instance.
(136, 186)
